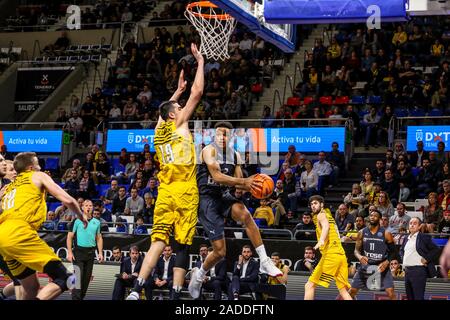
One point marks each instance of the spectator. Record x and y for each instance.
(355, 200)
(426, 180)
(116, 254)
(140, 228)
(400, 219)
(276, 286)
(390, 162)
(390, 186)
(384, 205)
(289, 189)
(308, 183)
(306, 228)
(203, 253)
(444, 197)
(323, 169)
(416, 158)
(50, 223)
(352, 234)
(100, 173)
(264, 214)
(276, 200)
(11, 173)
(119, 202)
(111, 193)
(344, 220)
(163, 274)
(292, 156)
(418, 253)
(121, 225)
(105, 213)
(134, 204)
(370, 124)
(86, 186)
(378, 173)
(149, 207)
(442, 156)
(405, 180)
(432, 214)
(129, 271)
(367, 183)
(76, 165)
(337, 161)
(396, 269)
(309, 261)
(444, 225)
(245, 275)
(103, 224)
(72, 184)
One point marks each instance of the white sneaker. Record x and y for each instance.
(195, 285)
(133, 296)
(267, 266)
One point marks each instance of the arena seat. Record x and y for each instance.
(307, 100)
(417, 112)
(293, 101)
(358, 100)
(342, 100)
(326, 100)
(51, 163)
(400, 112)
(375, 100)
(102, 188)
(51, 206)
(435, 113)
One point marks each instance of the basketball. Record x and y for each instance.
(267, 186)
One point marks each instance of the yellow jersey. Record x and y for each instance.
(333, 242)
(274, 280)
(176, 155)
(24, 201)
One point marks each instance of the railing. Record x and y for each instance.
(349, 142)
(38, 125)
(36, 45)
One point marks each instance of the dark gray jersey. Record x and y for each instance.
(374, 245)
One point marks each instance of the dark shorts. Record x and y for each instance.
(372, 279)
(5, 269)
(212, 211)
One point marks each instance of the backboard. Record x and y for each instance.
(251, 13)
(333, 11)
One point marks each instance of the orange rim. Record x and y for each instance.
(207, 4)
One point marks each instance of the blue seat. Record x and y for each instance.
(108, 206)
(399, 112)
(375, 100)
(358, 100)
(51, 206)
(261, 223)
(415, 171)
(440, 242)
(417, 112)
(362, 113)
(102, 188)
(51, 163)
(435, 113)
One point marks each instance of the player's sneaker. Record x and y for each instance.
(267, 266)
(195, 285)
(133, 296)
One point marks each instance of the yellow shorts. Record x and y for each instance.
(331, 266)
(175, 212)
(22, 248)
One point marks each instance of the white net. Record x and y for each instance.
(215, 28)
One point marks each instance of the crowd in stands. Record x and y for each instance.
(399, 70)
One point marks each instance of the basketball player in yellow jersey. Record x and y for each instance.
(177, 203)
(23, 211)
(333, 264)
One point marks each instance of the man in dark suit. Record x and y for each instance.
(216, 278)
(245, 274)
(418, 253)
(129, 271)
(163, 274)
(416, 158)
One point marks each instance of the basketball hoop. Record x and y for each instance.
(214, 26)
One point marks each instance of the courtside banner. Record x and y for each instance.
(332, 11)
(242, 140)
(430, 135)
(36, 141)
(34, 85)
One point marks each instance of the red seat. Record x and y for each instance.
(307, 100)
(327, 100)
(342, 100)
(293, 101)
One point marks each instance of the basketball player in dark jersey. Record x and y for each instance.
(374, 249)
(220, 169)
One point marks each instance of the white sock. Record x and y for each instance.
(261, 251)
(201, 273)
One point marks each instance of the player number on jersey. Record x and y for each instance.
(167, 153)
(372, 246)
(8, 200)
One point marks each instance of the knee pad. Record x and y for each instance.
(59, 274)
(182, 251)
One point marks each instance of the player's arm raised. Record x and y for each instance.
(322, 219)
(177, 94)
(358, 249)
(196, 89)
(41, 179)
(209, 157)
